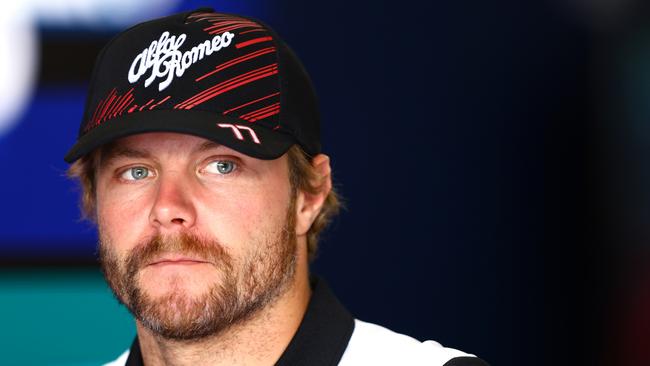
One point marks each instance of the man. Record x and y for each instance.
(200, 161)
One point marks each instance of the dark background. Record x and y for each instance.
(493, 157)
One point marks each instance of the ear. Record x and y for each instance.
(308, 205)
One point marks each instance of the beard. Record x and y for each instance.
(244, 286)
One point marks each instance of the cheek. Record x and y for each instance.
(121, 219)
(246, 216)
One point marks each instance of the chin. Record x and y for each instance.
(186, 285)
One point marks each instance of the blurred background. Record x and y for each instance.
(495, 159)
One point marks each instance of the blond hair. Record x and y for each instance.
(302, 176)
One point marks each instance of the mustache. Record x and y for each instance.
(186, 244)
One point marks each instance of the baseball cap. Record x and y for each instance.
(224, 77)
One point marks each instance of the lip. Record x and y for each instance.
(176, 261)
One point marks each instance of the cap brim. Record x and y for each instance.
(261, 143)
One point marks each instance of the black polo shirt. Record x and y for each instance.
(322, 336)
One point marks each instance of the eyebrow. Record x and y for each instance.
(113, 153)
(208, 145)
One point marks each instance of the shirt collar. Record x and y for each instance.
(322, 336)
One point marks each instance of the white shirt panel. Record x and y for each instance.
(372, 344)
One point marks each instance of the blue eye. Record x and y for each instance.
(221, 167)
(135, 173)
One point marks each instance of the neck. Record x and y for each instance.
(260, 340)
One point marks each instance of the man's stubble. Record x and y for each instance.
(240, 293)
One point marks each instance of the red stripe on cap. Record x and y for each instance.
(259, 111)
(129, 101)
(237, 60)
(197, 17)
(269, 114)
(233, 86)
(215, 17)
(223, 84)
(203, 18)
(253, 30)
(226, 83)
(149, 102)
(251, 102)
(112, 111)
(107, 105)
(122, 102)
(94, 117)
(113, 107)
(223, 90)
(225, 23)
(100, 111)
(221, 30)
(253, 41)
(217, 24)
(266, 113)
(135, 106)
(159, 103)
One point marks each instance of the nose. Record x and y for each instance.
(173, 208)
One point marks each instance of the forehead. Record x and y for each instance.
(160, 141)
(159, 144)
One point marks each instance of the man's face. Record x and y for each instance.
(194, 236)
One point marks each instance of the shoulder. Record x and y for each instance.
(372, 344)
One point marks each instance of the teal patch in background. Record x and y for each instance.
(59, 317)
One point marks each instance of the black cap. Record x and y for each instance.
(224, 77)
